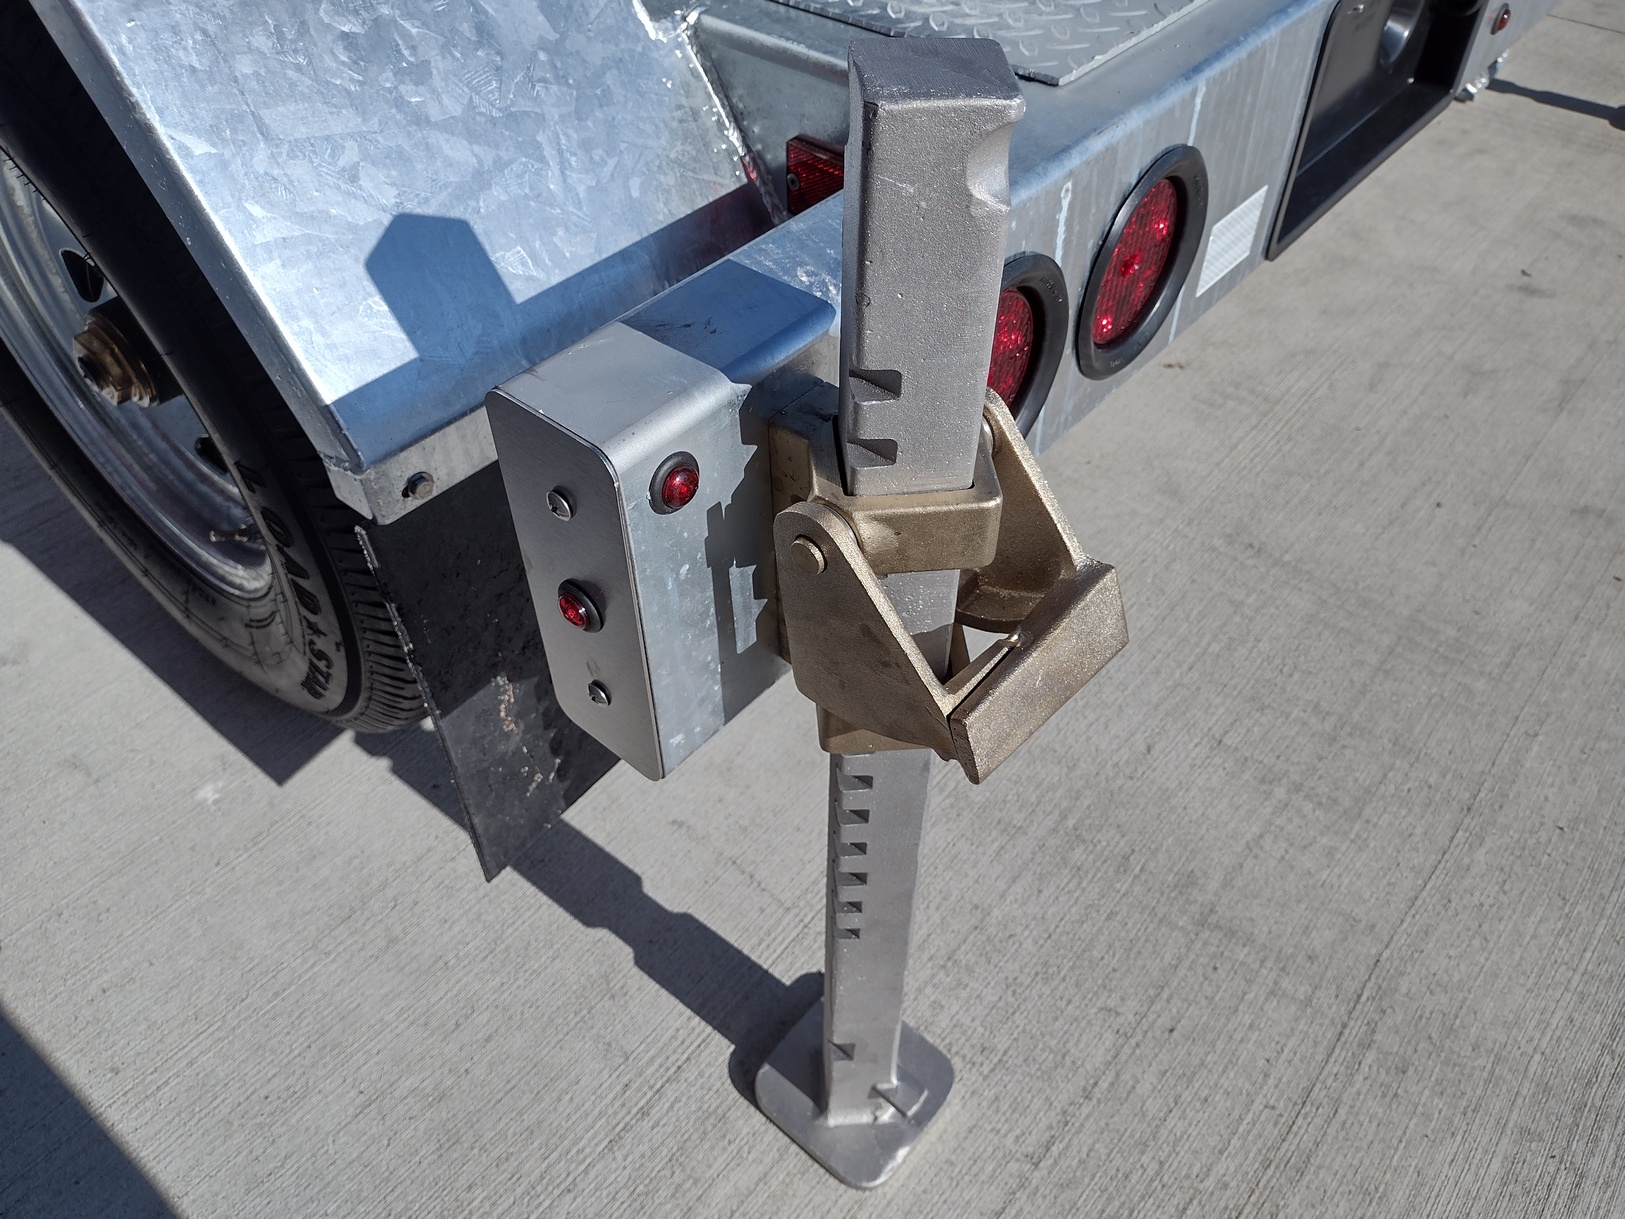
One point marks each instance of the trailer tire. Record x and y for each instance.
(314, 629)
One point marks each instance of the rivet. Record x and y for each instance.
(806, 555)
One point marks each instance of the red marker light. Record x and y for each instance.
(1012, 346)
(679, 486)
(1136, 264)
(577, 607)
(813, 171)
(574, 610)
(1502, 19)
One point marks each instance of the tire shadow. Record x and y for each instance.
(39, 522)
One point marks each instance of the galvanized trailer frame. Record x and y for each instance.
(402, 205)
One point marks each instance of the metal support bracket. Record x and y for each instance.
(1025, 576)
(924, 531)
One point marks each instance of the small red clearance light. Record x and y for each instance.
(1136, 264)
(1502, 19)
(675, 483)
(679, 486)
(1013, 334)
(574, 609)
(813, 171)
(577, 607)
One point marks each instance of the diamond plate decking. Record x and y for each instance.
(1051, 41)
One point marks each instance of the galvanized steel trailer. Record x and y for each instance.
(261, 266)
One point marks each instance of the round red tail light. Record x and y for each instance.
(1136, 264)
(1013, 335)
(1029, 335)
(1142, 265)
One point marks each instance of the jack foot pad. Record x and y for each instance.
(790, 1089)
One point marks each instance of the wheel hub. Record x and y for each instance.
(109, 387)
(109, 362)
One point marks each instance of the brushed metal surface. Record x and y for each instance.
(689, 634)
(923, 248)
(589, 549)
(703, 628)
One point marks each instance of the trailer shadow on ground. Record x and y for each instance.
(734, 994)
(55, 1158)
(1614, 116)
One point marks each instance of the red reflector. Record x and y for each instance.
(813, 171)
(1012, 345)
(1136, 264)
(1502, 19)
(574, 608)
(679, 486)
(577, 607)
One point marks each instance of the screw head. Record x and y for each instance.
(558, 503)
(419, 487)
(598, 692)
(807, 556)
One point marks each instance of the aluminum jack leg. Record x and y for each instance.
(852, 1083)
(927, 207)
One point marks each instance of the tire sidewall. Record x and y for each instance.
(294, 639)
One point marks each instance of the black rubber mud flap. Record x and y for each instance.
(455, 581)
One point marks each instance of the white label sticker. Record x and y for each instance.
(1232, 241)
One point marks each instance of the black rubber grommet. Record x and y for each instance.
(1184, 167)
(1040, 280)
(657, 499)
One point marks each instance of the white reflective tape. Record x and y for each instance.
(1232, 241)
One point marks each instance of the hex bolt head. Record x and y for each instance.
(111, 365)
(806, 555)
(598, 692)
(419, 487)
(558, 503)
